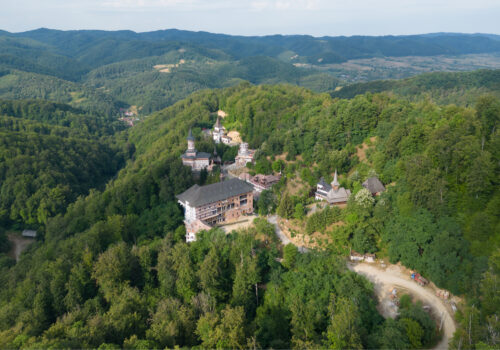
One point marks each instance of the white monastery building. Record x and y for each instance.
(215, 204)
(245, 155)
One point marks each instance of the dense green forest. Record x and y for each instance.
(138, 83)
(101, 72)
(43, 147)
(440, 87)
(17, 84)
(112, 268)
(96, 47)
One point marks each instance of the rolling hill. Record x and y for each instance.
(441, 87)
(86, 67)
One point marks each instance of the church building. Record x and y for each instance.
(332, 193)
(245, 155)
(194, 159)
(219, 133)
(374, 185)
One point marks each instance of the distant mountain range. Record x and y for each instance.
(155, 69)
(94, 47)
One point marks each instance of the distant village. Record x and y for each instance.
(128, 116)
(226, 201)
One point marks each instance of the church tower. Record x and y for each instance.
(335, 183)
(218, 131)
(191, 150)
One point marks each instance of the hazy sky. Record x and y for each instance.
(257, 17)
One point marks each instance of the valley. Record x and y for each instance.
(382, 68)
(200, 190)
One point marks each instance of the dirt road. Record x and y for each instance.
(384, 279)
(273, 219)
(19, 244)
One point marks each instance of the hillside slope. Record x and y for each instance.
(114, 268)
(121, 64)
(17, 84)
(77, 44)
(441, 87)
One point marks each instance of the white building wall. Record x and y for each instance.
(200, 164)
(190, 237)
(216, 136)
(190, 213)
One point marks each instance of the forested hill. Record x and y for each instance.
(78, 44)
(17, 84)
(102, 71)
(441, 87)
(49, 155)
(114, 268)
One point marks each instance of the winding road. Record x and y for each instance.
(390, 277)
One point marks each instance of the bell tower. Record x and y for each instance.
(191, 150)
(335, 183)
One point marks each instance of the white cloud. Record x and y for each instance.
(261, 5)
(134, 4)
(257, 17)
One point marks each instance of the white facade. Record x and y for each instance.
(194, 159)
(197, 164)
(190, 237)
(190, 212)
(219, 132)
(245, 155)
(217, 135)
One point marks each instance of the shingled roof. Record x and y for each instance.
(200, 195)
(338, 196)
(373, 185)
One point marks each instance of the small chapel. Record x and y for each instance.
(219, 133)
(332, 193)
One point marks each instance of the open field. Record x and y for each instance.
(366, 69)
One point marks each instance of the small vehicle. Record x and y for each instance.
(419, 279)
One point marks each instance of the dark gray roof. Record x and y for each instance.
(198, 155)
(374, 185)
(326, 186)
(197, 196)
(190, 135)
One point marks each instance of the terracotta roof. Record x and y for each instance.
(197, 196)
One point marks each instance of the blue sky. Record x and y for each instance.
(257, 17)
